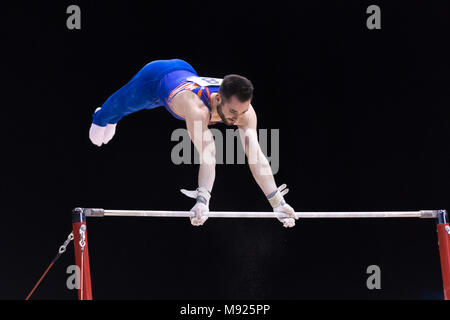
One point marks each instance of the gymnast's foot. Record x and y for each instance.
(101, 135)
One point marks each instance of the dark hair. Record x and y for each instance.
(235, 85)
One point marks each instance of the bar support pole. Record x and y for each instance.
(81, 253)
(443, 230)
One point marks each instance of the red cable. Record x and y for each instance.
(42, 277)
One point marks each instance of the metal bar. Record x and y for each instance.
(91, 212)
(79, 215)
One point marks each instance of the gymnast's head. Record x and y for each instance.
(234, 98)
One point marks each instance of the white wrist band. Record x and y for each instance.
(200, 192)
(277, 199)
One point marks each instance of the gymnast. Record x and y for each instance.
(200, 102)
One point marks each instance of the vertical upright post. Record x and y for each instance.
(443, 229)
(81, 253)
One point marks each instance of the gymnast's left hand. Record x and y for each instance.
(287, 209)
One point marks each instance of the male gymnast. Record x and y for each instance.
(200, 102)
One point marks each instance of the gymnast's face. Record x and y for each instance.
(232, 110)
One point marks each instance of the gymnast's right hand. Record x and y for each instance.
(200, 211)
(99, 134)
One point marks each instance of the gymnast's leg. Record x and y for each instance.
(139, 93)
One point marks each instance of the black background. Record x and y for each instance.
(364, 125)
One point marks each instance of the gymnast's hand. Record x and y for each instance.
(199, 210)
(276, 199)
(99, 135)
(287, 209)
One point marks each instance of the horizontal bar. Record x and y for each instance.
(91, 212)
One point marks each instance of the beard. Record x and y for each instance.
(228, 122)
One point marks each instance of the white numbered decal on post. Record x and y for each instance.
(205, 81)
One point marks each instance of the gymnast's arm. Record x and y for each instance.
(260, 167)
(258, 163)
(197, 119)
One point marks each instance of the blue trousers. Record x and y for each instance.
(148, 89)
